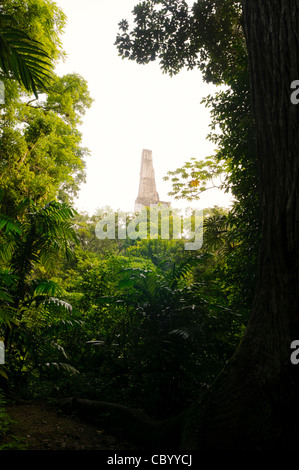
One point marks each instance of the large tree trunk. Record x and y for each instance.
(253, 402)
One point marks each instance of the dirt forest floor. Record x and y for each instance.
(39, 426)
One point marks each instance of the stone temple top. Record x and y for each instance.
(147, 194)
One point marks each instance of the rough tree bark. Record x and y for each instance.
(252, 404)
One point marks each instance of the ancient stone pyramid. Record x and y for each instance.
(147, 194)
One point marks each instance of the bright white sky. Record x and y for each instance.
(135, 107)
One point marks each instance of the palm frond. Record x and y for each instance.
(6, 250)
(9, 224)
(63, 366)
(44, 231)
(58, 304)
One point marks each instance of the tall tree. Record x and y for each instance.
(252, 403)
(21, 57)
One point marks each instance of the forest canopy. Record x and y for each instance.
(198, 341)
